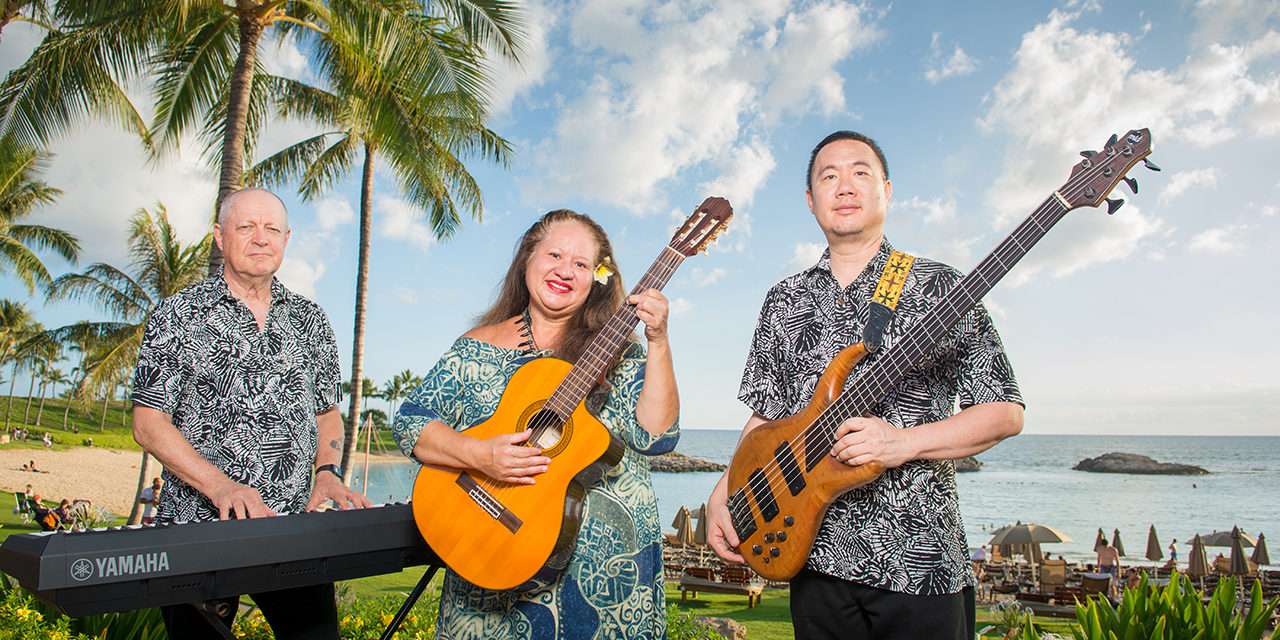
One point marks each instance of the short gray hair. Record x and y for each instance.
(225, 207)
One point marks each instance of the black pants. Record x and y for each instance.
(305, 613)
(827, 607)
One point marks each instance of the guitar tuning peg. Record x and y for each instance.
(1133, 185)
(1113, 205)
(1112, 139)
(1150, 165)
(1088, 154)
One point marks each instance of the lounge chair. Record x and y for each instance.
(733, 579)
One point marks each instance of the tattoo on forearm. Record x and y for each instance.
(333, 444)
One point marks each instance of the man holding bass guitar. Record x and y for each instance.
(890, 559)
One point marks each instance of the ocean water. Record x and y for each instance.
(1029, 479)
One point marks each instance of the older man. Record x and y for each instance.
(236, 393)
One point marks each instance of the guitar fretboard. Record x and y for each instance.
(608, 343)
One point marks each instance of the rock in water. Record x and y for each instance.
(967, 463)
(1133, 463)
(679, 463)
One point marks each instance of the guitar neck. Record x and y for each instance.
(888, 370)
(608, 343)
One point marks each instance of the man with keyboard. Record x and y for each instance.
(236, 393)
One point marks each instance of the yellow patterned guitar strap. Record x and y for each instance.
(885, 298)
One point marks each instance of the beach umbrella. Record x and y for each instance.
(682, 515)
(700, 533)
(684, 527)
(1260, 556)
(1154, 552)
(1115, 542)
(1197, 565)
(1239, 564)
(1101, 540)
(1029, 533)
(1224, 539)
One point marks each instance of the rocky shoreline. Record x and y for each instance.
(679, 463)
(1115, 462)
(967, 464)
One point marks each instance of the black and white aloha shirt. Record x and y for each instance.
(245, 399)
(903, 531)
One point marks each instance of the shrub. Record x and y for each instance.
(683, 625)
(1175, 611)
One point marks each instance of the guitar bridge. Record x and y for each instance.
(490, 504)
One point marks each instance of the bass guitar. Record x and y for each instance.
(499, 535)
(781, 480)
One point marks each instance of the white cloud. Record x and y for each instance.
(679, 307)
(1221, 20)
(1270, 210)
(1099, 89)
(805, 255)
(401, 220)
(958, 65)
(935, 211)
(300, 274)
(707, 277)
(333, 212)
(405, 295)
(1218, 240)
(682, 89)
(1181, 181)
(510, 80)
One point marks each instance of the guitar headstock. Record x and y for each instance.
(709, 220)
(1093, 178)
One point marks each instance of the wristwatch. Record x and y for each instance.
(331, 468)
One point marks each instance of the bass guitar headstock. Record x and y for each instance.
(707, 222)
(1093, 178)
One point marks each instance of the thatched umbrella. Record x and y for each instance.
(682, 514)
(1154, 552)
(700, 532)
(1239, 563)
(1115, 542)
(1197, 564)
(1260, 556)
(1101, 541)
(1226, 539)
(684, 527)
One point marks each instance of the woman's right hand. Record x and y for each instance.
(720, 532)
(505, 459)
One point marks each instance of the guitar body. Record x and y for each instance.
(825, 482)
(498, 535)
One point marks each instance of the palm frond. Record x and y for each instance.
(288, 163)
(193, 74)
(111, 289)
(47, 238)
(328, 167)
(25, 263)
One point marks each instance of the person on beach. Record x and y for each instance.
(890, 559)
(236, 393)
(558, 292)
(148, 498)
(1173, 554)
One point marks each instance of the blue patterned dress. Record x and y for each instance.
(613, 586)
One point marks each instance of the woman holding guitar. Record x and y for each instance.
(559, 291)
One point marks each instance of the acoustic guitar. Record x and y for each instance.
(499, 535)
(782, 480)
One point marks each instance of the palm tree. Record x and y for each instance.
(395, 389)
(161, 265)
(422, 116)
(15, 327)
(20, 192)
(47, 355)
(54, 377)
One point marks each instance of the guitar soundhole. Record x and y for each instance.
(548, 430)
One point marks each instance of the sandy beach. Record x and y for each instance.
(105, 476)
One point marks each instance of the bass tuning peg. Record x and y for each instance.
(1113, 205)
(1132, 184)
(1150, 165)
(1112, 139)
(1088, 154)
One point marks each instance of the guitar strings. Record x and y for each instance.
(825, 421)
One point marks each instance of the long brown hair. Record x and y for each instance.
(602, 301)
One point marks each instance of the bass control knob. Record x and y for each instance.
(774, 551)
(768, 537)
(789, 520)
(757, 549)
(782, 536)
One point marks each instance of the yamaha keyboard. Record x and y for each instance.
(125, 568)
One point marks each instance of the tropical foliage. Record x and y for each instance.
(21, 191)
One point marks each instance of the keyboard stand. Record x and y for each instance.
(208, 609)
(409, 602)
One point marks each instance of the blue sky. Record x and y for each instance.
(1159, 319)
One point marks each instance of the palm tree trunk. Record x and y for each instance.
(66, 412)
(26, 414)
(40, 409)
(8, 11)
(106, 398)
(231, 175)
(8, 412)
(362, 291)
(135, 514)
